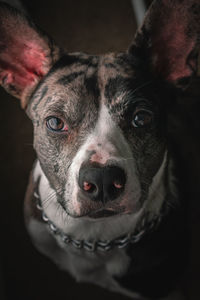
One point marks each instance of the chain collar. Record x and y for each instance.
(93, 245)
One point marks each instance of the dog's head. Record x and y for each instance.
(100, 121)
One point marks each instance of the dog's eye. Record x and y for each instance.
(56, 124)
(142, 118)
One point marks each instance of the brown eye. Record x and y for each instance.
(142, 118)
(56, 124)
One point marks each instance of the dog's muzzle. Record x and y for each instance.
(101, 184)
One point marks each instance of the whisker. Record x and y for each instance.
(63, 216)
(50, 196)
(57, 211)
(141, 86)
(127, 158)
(132, 94)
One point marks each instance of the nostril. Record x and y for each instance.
(89, 187)
(114, 182)
(118, 185)
(114, 189)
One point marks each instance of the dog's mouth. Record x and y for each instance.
(103, 213)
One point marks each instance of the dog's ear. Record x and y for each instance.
(168, 41)
(26, 54)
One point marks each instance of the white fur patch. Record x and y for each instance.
(109, 147)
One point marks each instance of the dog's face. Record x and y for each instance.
(100, 121)
(98, 133)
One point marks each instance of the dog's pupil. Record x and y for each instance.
(142, 119)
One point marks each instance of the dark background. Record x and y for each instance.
(93, 26)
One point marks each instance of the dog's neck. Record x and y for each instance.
(160, 195)
(97, 245)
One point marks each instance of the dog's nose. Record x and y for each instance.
(102, 183)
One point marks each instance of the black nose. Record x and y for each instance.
(102, 183)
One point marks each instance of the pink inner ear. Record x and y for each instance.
(171, 48)
(20, 64)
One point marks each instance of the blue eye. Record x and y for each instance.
(142, 118)
(56, 124)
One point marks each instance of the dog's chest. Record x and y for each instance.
(96, 267)
(111, 263)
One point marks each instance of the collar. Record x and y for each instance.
(97, 245)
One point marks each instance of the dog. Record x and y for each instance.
(104, 200)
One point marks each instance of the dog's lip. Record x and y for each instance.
(103, 213)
